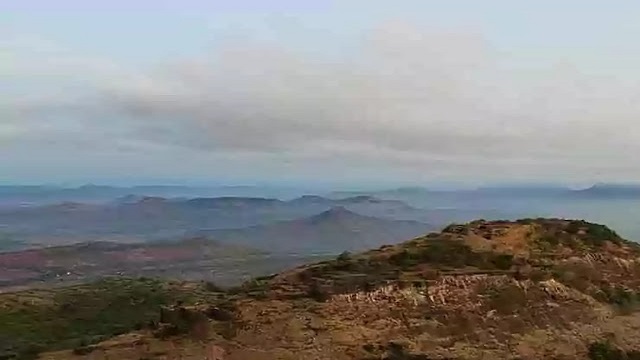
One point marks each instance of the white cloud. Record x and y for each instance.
(437, 102)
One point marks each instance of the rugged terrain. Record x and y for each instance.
(529, 289)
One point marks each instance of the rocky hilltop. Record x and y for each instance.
(529, 289)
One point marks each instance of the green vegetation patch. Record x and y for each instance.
(415, 261)
(604, 350)
(451, 254)
(508, 299)
(78, 316)
(594, 234)
(624, 300)
(576, 234)
(392, 351)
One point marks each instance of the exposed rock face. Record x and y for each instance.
(531, 289)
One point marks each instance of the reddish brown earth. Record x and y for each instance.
(532, 289)
(88, 260)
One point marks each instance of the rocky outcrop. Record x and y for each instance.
(530, 289)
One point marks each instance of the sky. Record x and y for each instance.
(345, 92)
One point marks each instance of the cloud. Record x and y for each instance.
(255, 97)
(433, 100)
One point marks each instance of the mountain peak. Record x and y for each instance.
(360, 199)
(480, 247)
(615, 190)
(513, 282)
(310, 199)
(336, 213)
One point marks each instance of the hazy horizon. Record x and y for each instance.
(314, 186)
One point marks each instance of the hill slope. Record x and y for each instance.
(531, 289)
(332, 231)
(72, 317)
(86, 261)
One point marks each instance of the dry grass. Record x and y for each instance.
(486, 290)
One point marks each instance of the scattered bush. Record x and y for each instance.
(626, 301)
(370, 348)
(456, 229)
(218, 314)
(538, 275)
(508, 299)
(9, 355)
(448, 253)
(317, 293)
(404, 259)
(547, 240)
(29, 352)
(604, 350)
(453, 254)
(576, 234)
(598, 234)
(397, 351)
(212, 287)
(502, 261)
(579, 276)
(345, 256)
(82, 315)
(166, 331)
(84, 350)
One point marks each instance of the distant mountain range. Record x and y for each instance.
(11, 195)
(505, 191)
(610, 191)
(332, 231)
(137, 219)
(228, 256)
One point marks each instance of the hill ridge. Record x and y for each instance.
(527, 289)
